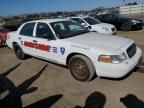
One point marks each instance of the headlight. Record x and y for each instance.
(112, 58)
(135, 21)
(106, 29)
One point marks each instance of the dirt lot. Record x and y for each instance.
(39, 83)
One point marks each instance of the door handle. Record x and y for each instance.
(34, 41)
(19, 38)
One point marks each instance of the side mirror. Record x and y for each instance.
(89, 27)
(83, 24)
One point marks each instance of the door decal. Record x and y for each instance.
(62, 49)
(44, 47)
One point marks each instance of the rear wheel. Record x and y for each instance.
(81, 68)
(19, 52)
(126, 27)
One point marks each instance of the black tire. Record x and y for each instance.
(82, 68)
(19, 52)
(126, 27)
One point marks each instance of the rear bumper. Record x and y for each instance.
(118, 70)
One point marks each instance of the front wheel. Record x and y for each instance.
(81, 68)
(19, 52)
(126, 27)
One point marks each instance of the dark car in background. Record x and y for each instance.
(13, 25)
(121, 22)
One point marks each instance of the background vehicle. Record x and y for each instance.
(3, 36)
(68, 43)
(95, 25)
(121, 22)
(13, 25)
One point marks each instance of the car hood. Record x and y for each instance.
(99, 41)
(103, 25)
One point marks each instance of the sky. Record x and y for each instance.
(18, 7)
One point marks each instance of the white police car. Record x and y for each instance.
(95, 25)
(68, 43)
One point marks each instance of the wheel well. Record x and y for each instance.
(14, 43)
(73, 54)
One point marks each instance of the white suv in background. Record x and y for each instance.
(95, 25)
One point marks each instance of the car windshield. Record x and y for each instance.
(66, 29)
(91, 21)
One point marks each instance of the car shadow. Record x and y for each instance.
(45, 103)
(136, 29)
(141, 67)
(2, 46)
(10, 95)
(94, 100)
(132, 101)
(8, 91)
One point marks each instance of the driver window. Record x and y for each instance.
(43, 31)
(81, 21)
(109, 17)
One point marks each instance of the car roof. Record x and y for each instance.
(107, 14)
(81, 17)
(48, 20)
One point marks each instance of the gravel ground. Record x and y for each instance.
(40, 83)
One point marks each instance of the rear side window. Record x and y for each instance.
(27, 29)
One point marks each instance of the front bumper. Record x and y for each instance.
(109, 32)
(137, 26)
(118, 70)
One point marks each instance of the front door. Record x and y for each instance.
(47, 46)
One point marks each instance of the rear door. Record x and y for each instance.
(26, 38)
